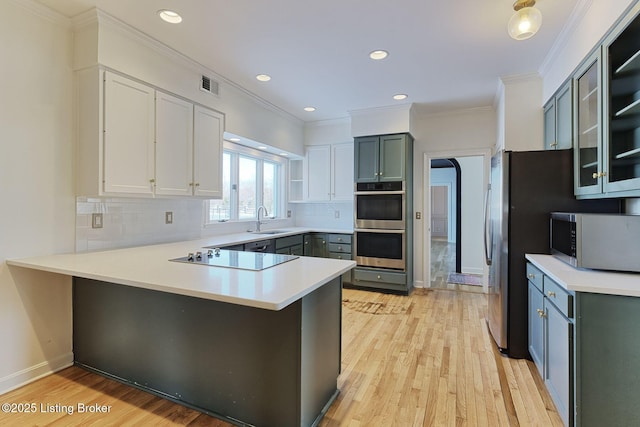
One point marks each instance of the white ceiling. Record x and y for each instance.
(443, 54)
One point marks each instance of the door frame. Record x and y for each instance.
(485, 153)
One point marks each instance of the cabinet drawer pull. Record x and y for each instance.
(551, 294)
(379, 277)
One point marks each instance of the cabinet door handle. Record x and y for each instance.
(598, 175)
(551, 294)
(379, 277)
(554, 144)
(531, 276)
(541, 313)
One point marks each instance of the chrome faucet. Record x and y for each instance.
(265, 214)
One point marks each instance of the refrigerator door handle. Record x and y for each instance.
(487, 231)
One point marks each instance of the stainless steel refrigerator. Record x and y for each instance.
(525, 187)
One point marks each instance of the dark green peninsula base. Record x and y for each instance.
(248, 366)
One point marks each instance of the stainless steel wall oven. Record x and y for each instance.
(380, 205)
(380, 248)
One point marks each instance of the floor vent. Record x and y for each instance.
(208, 85)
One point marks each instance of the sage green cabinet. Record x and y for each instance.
(607, 115)
(536, 327)
(558, 119)
(340, 248)
(319, 246)
(588, 125)
(290, 245)
(551, 344)
(382, 158)
(621, 108)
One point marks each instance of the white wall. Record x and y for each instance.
(445, 135)
(520, 119)
(473, 190)
(381, 121)
(36, 189)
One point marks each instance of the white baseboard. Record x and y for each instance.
(418, 284)
(34, 373)
(472, 270)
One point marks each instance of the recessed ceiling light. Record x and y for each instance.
(170, 16)
(262, 147)
(310, 109)
(234, 139)
(378, 54)
(263, 77)
(400, 96)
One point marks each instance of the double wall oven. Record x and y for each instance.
(380, 225)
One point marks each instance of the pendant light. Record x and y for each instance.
(526, 21)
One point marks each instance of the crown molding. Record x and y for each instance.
(102, 18)
(43, 11)
(456, 112)
(519, 78)
(389, 108)
(329, 122)
(577, 15)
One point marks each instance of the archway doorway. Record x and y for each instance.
(446, 212)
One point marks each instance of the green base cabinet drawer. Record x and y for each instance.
(340, 238)
(380, 279)
(340, 247)
(559, 297)
(534, 275)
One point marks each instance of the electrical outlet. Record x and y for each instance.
(337, 214)
(418, 215)
(288, 214)
(168, 217)
(96, 220)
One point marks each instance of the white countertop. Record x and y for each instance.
(584, 280)
(149, 267)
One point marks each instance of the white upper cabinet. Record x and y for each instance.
(134, 140)
(128, 136)
(174, 146)
(207, 149)
(318, 172)
(329, 172)
(342, 171)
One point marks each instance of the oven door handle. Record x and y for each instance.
(378, 193)
(378, 230)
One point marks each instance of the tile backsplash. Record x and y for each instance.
(334, 215)
(134, 222)
(128, 222)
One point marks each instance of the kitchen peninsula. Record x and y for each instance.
(259, 347)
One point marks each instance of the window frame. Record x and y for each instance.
(236, 151)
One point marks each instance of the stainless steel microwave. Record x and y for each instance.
(597, 241)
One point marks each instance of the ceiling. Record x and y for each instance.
(443, 54)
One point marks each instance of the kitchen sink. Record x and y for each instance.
(271, 232)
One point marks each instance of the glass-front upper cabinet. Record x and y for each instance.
(621, 65)
(588, 170)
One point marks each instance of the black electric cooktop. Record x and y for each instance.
(255, 261)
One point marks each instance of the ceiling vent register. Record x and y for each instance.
(209, 86)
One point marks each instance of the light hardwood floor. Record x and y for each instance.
(422, 360)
